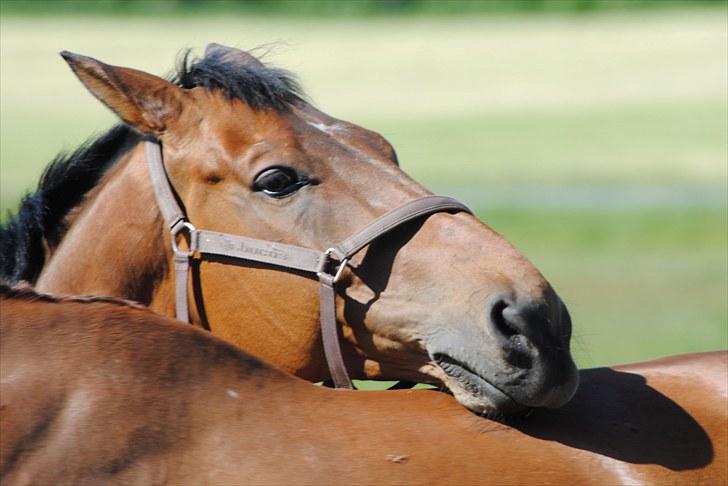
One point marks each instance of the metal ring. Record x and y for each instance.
(340, 270)
(176, 231)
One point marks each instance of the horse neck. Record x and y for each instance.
(114, 245)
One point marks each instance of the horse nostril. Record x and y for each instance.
(508, 322)
(518, 352)
(501, 322)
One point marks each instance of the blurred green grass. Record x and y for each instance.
(638, 284)
(596, 144)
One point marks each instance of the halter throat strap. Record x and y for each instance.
(327, 265)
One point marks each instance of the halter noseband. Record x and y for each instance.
(327, 265)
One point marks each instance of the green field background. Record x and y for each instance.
(597, 143)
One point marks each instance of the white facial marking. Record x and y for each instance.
(325, 128)
(232, 393)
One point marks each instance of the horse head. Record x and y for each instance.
(441, 299)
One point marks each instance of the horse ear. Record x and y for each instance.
(230, 54)
(145, 101)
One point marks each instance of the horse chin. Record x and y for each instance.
(489, 401)
(473, 391)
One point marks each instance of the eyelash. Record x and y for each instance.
(294, 183)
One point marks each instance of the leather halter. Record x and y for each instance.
(327, 265)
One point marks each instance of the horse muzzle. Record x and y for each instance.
(524, 362)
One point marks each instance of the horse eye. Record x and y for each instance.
(279, 181)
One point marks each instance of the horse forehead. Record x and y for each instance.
(238, 127)
(246, 127)
(341, 131)
(328, 128)
(354, 139)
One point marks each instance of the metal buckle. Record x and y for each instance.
(340, 270)
(176, 230)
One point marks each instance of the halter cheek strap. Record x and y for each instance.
(327, 265)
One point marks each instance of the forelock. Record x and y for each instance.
(243, 77)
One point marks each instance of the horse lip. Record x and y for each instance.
(474, 383)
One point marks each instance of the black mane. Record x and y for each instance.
(39, 221)
(249, 80)
(63, 185)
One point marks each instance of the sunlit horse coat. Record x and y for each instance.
(98, 392)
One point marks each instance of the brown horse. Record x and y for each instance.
(101, 392)
(442, 299)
